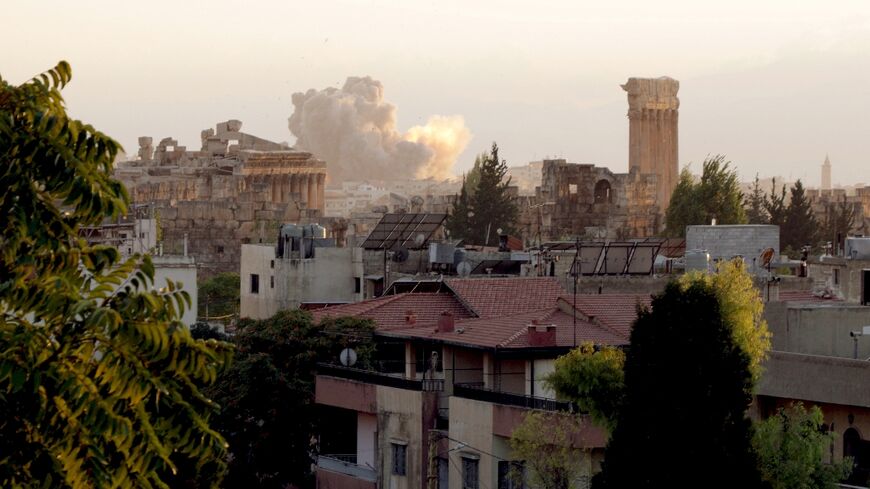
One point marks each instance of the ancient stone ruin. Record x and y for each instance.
(236, 189)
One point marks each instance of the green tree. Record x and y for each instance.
(774, 205)
(543, 441)
(800, 227)
(492, 206)
(100, 383)
(839, 219)
(458, 219)
(593, 379)
(472, 178)
(267, 396)
(754, 205)
(791, 447)
(688, 384)
(218, 296)
(717, 195)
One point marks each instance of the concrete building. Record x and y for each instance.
(826, 174)
(728, 241)
(462, 361)
(234, 190)
(270, 283)
(181, 270)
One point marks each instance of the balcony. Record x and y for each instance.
(478, 393)
(379, 378)
(346, 464)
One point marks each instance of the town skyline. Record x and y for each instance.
(775, 96)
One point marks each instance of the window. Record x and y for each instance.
(255, 283)
(400, 458)
(603, 193)
(511, 475)
(219, 249)
(271, 281)
(357, 285)
(836, 276)
(572, 188)
(271, 263)
(470, 478)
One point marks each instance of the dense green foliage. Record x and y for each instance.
(100, 383)
(716, 196)
(268, 413)
(218, 297)
(756, 213)
(543, 441)
(489, 205)
(792, 447)
(800, 227)
(593, 379)
(688, 385)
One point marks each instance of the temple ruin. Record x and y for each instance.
(237, 188)
(592, 202)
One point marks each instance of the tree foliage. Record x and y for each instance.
(741, 308)
(838, 222)
(492, 207)
(268, 413)
(800, 227)
(543, 441)
(688, 384)
(756, 213)
(458, 222)
(100, 383)
(593, 379)
(775, 204)
(791, 447)
(717, 195)
(218, 296)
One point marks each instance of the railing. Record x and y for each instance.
(379, 378)
(479, 394)
(334, 463)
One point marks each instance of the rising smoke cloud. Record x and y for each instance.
(354, 130)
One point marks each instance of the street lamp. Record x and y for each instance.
(865, 331)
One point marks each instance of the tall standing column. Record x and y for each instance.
(294, 187)
(303, 189)
(312, 191)
(321, 193)
(653, 111)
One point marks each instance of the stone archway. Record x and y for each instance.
(603, 192)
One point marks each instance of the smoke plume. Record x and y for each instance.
(354, 130)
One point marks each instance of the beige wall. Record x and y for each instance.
(847, 283)
(257, 259)
(536, 372)
(400, 420)
(818, 329)
(471, 425)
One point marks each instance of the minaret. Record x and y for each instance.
(826, 174)
(652, 131)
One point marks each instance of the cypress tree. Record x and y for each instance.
(800, 227)
(492, 206)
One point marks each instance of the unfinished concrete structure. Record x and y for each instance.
(652, 131)
(236, 189)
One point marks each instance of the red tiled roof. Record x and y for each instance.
(511, 331)
(615, 311)
(390, 311)
(491, 297)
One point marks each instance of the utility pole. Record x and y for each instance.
(432, 475)
(574, 273)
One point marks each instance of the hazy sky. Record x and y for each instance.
(773, 84)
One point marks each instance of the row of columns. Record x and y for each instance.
(305, 187)
(653, 148)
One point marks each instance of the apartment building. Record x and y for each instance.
(461, 362)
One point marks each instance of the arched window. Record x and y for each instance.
(603, 193)
(855, 447)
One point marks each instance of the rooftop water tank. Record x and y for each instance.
(697, 260)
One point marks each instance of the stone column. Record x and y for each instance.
(321, 193)
(285, 187)
(294, 187)
(312, 191)
(303, 189)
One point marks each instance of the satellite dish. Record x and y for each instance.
(419, 239)
(400, 255)
(416, 201)
(767, 256)
(347, 357)
(464, 269)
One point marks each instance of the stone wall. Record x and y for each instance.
(582, 200)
